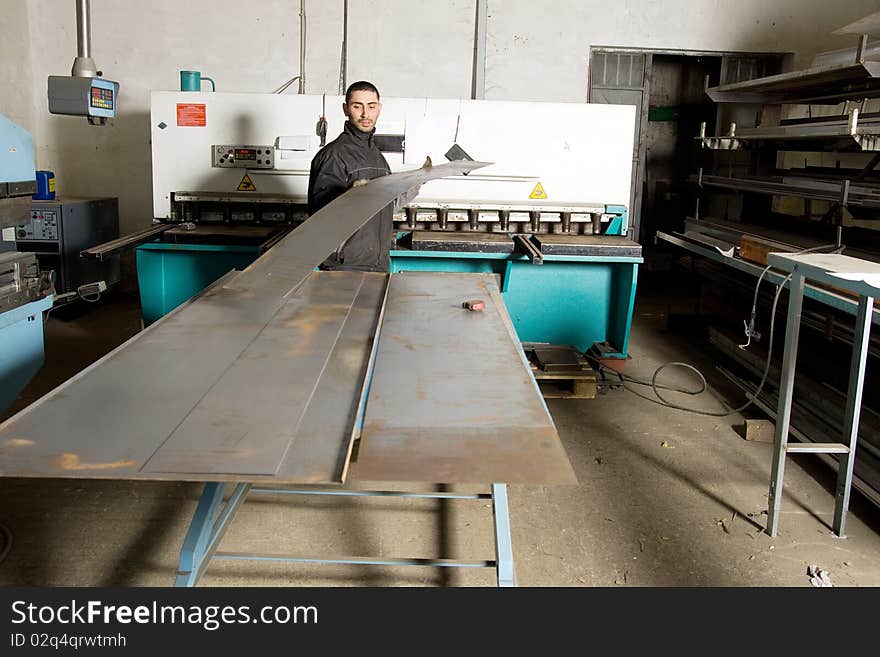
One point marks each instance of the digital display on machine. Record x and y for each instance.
(245, 154)
(102, 98)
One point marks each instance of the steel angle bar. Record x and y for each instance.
(503, 548)
(207, 527)
(805, 188)
(356, 561)
(114, 247)
(206, 530)
(373, 493)
(821, 84)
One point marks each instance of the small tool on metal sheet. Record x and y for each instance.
(474, 305)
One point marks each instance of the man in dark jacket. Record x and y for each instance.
(350, 160)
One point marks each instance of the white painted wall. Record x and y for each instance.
(539, 51)
(16, 91)
(536, 51)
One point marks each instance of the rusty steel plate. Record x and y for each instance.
(219, 390)
(452, 397)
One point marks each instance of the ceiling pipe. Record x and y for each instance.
(302, 47)
(343, 59)
(478, 86)
(83, 65)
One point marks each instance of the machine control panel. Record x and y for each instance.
(43, 226)
(78, 96)
(243, 157)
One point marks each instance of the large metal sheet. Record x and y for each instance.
(167, 382)
(281, 269)
(109, 420)
(452, 398)
(322, 449)
(246, 421)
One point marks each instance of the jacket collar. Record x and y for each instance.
(364, 137)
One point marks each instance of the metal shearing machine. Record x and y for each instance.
(548, 217)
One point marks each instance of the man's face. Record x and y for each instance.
(363, 110)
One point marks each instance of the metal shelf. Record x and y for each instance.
(842, 192)
(844, 133)
(819, 85)
(827, 297)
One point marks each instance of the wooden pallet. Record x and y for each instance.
(562, 372)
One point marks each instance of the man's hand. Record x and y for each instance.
(360, 182)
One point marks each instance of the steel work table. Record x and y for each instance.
(253, 396)
(860, 278)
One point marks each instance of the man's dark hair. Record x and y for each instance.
(360, 85)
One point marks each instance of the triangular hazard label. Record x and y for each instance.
(247, 185)
(537, 192)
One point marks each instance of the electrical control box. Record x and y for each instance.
(77, 96)
(59, 229)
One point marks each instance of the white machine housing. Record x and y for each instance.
(580, 154)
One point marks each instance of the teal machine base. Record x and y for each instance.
(21, 334)
(169, 274)
(567, 300)
(576, 300)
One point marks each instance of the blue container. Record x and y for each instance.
(169, 274)
(21, 334)
(45, 186)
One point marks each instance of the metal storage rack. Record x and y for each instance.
(843, 192)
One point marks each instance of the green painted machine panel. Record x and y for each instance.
(169, 274)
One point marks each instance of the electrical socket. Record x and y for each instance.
(91, 289)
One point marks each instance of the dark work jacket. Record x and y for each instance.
(352, 156)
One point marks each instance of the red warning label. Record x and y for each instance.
(191, 114)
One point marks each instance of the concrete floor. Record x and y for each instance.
(665, 499)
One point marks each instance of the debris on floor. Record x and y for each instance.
(818, 576)
(721, 522)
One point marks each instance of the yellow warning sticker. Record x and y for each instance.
(538, 192)
(247, 185)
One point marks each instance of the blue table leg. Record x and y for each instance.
(192, 554)
(861, 343)
(206, 529)
(786, 392)
(503, 546)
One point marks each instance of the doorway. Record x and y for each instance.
(668, 89)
